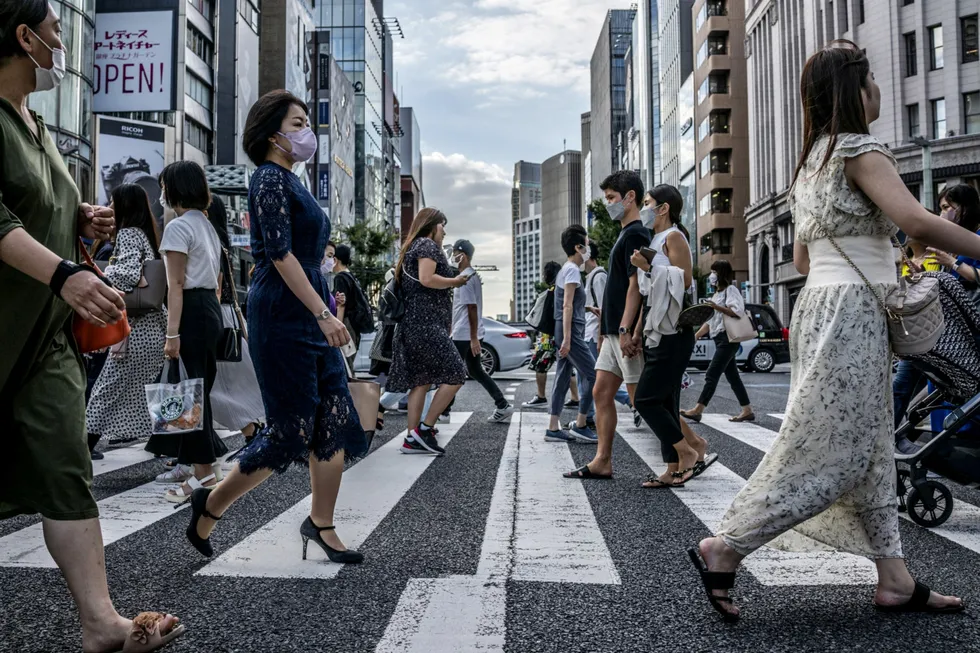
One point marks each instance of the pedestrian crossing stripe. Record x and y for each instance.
(120, 515)
(962, 527)
(275, 550)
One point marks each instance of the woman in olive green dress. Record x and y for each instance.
(42, 383)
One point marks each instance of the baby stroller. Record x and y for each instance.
(951, 446)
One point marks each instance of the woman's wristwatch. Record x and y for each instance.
(324, 315)
(624, 331)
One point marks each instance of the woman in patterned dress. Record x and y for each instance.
(830, 474)
(423, 353)
(293, 336)
(117, 407)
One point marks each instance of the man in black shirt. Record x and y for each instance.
(620, 352)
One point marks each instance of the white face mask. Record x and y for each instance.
(648, 215)
(713, 279)
(616, 211)
(46, 79)
(163, 202)
(327, 266)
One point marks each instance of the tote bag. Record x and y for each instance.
(176, 403)
(739, 329)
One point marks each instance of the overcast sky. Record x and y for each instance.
(492, 82)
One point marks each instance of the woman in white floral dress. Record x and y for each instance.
(830, 474)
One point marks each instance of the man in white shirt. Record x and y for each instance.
(468, 331)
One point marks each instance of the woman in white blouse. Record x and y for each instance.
(727, 300)
(193, 258)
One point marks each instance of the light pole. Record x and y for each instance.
(927, 200)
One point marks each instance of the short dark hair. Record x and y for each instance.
(551, 270)
(13, 14)
(593, 251)
(264, 119)
(572, 237)
(725, 273)
(342, 254)
(624, 181)
(186, 186)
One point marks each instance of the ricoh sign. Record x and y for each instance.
(134, 61)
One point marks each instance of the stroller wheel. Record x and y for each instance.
(930, 504)
(902, 486)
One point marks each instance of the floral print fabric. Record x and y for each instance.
(830, 473)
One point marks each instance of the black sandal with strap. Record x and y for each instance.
(715, 580)
(919, 602)
(199, 508)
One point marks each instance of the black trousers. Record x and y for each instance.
(723, 361)
(658, 393)
(475, 369)
(200, 333)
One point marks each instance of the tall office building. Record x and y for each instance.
(686, 169)
(722, 155)
(357, 39)
(412, 194)
(586, 167)
(526, 234)
(645, 80)
(929, 78)
(676, 63)
(67, 110)
(608, 94)
(561, 201)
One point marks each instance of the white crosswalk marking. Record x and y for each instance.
(779, 416)
(369, 491)
(962, 527)
(116, 459)
(541, 527)
(119, 515)
(809, 563)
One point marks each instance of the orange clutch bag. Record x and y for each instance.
(90, 337)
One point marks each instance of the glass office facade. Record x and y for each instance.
(67, 110)
(356, 42)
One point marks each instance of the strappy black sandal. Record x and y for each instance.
(679, 475)
(691, 416)
(701, 465)
(715, 580)
(919, 602)
(585, 472)
(653, 482)
(199, 508)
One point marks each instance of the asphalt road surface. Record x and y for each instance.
(488, 549)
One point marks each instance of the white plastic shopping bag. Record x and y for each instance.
(176, 403)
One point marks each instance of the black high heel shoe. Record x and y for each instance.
(310, 531)
(199, 508)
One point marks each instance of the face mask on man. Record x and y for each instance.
(616, 211)
(46, 79)
(303, 143)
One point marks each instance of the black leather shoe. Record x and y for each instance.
(199, 508)
(310, 531)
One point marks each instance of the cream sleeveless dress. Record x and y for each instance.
(830, 474)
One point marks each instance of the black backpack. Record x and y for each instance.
(359, 310)
(392, 303)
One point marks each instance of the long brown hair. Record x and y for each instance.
(132, 208)
(423, 226)
(830, 87)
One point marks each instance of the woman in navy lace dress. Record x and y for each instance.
(293, 336)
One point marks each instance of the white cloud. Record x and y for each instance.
(475, 196)
(512, 50)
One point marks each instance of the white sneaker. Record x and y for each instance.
(178, 474)
(444, 418)
(502, 414)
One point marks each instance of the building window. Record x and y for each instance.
(704, 206)
(721, 241)
(971, 113)
(203, 6)
(702, 54)
(704, 167)
(968, 38)
(198, 91)
(198, 136)
(911, 62)
(721, 161)
(719, 122)
(703, 130)
(200, 45)
(912, 113)
(721, 200)
(714, 83)
(938, 118)
(906, 3)
(717, 43)
(860, 8)
(935, 47)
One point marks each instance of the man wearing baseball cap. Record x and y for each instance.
(468, 331)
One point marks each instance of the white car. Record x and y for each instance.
(505, 348)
